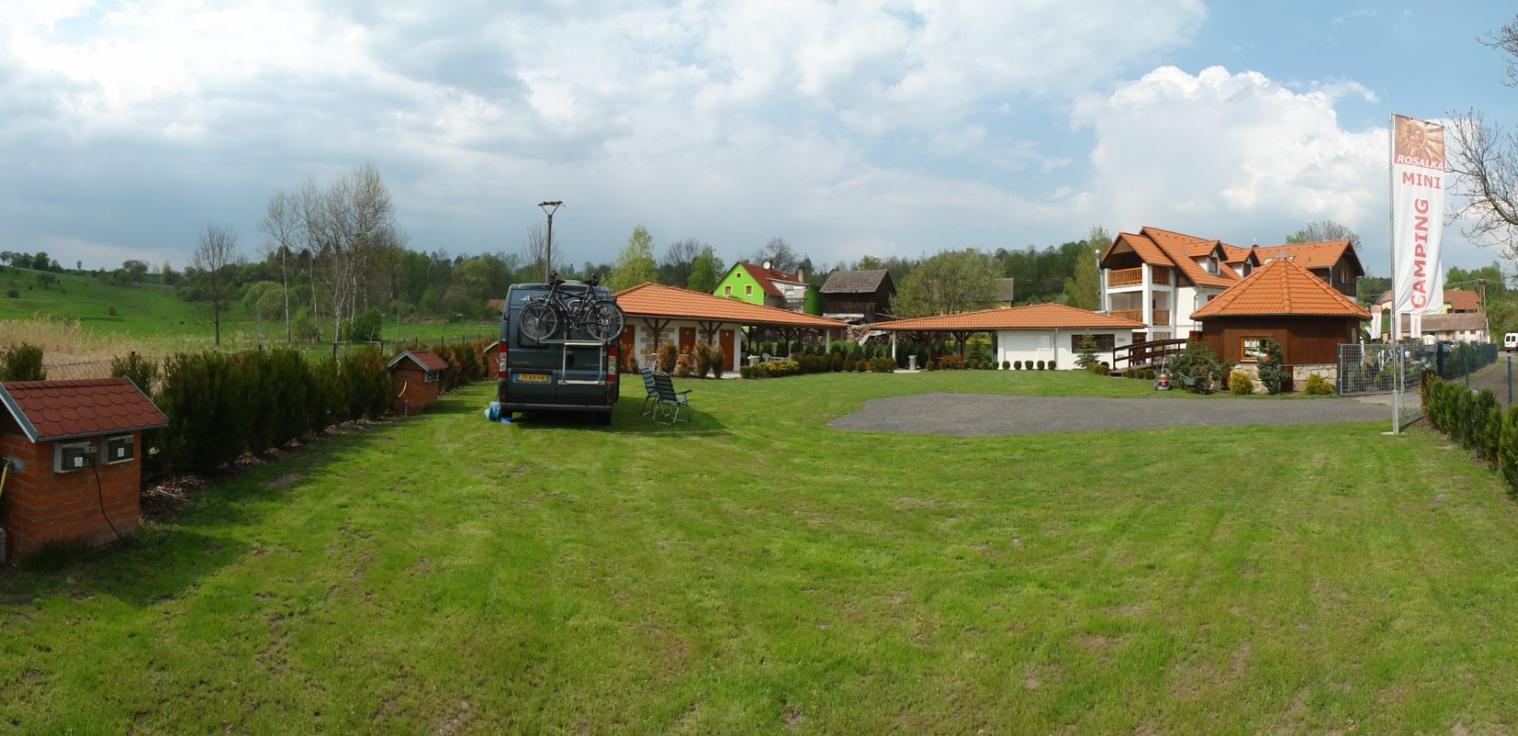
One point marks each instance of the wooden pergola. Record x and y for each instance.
(656, 306)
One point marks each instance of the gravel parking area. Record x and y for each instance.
(967, 415)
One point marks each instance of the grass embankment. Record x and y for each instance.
(757, 571)
(72, 320)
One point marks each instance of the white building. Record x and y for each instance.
(1159, 277)
(1035, 332)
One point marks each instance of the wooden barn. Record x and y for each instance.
(1285, 302)
(417, 376)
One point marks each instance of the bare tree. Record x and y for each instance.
(283, 225)
(780, 255)
(1484, 161)
(536, 249)
(215, 253)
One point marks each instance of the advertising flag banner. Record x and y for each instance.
(1417, 203)
(1375, 324)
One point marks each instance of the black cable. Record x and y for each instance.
(100, 493)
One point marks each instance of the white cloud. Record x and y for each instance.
(826, 122)
(1237, 156)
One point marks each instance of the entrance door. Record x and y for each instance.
(627, 353)
(687, 340)
(725, 341)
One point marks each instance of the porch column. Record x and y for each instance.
(1148, 294)
(1106, 305)
(893, 344)
(827, 340)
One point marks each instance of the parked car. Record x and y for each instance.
(568, 373)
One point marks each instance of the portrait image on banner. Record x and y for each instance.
(1417, 202)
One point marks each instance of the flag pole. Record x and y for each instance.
(1391, 230)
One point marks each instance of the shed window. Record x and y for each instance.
(431, 377)
(1252, 349)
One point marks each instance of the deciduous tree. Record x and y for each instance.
(948, 282)
(635, 262)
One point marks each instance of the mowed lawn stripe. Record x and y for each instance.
(755, 570)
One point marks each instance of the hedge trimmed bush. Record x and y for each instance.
(22, 362)
(1317, 385)
(1476, 422)
(1240, 384)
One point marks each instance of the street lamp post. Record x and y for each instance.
(549, 208)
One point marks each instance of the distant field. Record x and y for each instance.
(153, 317)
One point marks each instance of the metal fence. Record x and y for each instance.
(1378, 368)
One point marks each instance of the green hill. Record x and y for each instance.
(141, 310)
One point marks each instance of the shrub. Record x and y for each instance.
(702, 357)
(1270, 366)
(1197, 364)
(207, 417)
(665, 357)
(718, 361)
(1086, 360)
(1317, 385)
(142, 371)
(882, 365)
(746, 371)
(14, 294)
(23, 362)
(364, 327)
(1240, 384)
(950, 362)
(111, 311)
(1006, 365)
(778, 368)
(1508, 450)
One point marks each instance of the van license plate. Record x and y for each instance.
(532, 378)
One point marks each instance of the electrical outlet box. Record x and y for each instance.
(71, 456)
(118, 449)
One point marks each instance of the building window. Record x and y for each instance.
(748, 289)
(1252, 349)
(727, 290)
(1104, 343)
(430, 377)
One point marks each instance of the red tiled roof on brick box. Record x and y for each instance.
(428, 360)
(657, 301)
(1281, 288)
(1045, 316)
(55, 410)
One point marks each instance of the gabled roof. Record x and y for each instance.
(1170, 249)
(766, 277)
(1322, 254)
(425, 359)
(671, 302)
(1050, 315)
(856, 282)
(1459, 300)
(1236, 254)
(1281, 288)
(57, 410)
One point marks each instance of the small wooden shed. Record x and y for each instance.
(417, 376)
(1282, 301)
(75, 454)
(493, 360)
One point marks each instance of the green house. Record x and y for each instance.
(760, 284)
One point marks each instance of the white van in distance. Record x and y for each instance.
(1510, 341)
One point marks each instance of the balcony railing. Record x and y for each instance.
(1125, 276)
(1161, 316)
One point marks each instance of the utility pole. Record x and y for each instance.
(549, 208)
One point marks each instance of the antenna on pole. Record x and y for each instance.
(549, 208)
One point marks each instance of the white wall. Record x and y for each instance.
(1035, 345)
(647, 342)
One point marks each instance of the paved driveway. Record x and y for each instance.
(981, 414)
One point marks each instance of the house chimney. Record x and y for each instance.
(800, 275)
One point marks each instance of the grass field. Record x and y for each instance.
(153, 318)
(756, 571)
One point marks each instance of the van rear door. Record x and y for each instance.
(530, 368)
(582, 381)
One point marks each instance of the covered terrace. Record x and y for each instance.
(1035, 332)
(657, 313)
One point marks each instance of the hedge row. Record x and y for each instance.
(221, 405)
(1476, 422)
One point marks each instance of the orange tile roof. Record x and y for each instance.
(1459, 300)
(424, 359)
(1159, 247)
(1323, 254)
(659, 301)
(53, 410)
(1050, 315)
(1281, 288)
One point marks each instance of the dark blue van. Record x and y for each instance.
(571, 373)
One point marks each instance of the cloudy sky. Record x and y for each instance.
(846, 127)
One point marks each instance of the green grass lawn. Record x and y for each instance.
(756, 571)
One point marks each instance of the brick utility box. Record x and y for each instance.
(75, 449)
(418, 379)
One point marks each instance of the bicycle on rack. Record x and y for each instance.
(544, 317)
